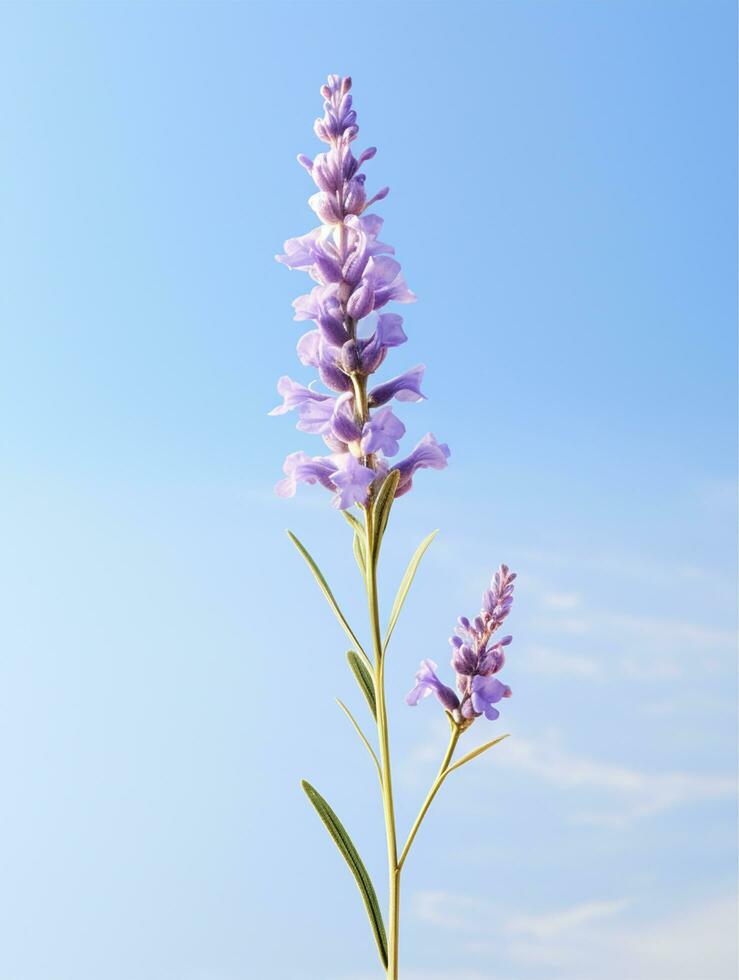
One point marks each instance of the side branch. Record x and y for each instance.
(444, 771)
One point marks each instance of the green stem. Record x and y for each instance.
(384, 742)
(435, 787)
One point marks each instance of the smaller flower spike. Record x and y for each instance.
(474, 658)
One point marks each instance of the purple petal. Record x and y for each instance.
(405, 387)
(390, 331)
(296, 395)
(325, 207)
(361, 301)
(301, 468)
(315, 416)
(352, 480)
(382, 432)
(426, 682)
(308, 348)
(428, 454)
(487, 691)
(299, 252)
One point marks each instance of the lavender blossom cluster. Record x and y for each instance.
(474, 658)
(356, 277)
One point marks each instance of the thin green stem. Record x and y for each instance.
(435, 787)
(384, 743)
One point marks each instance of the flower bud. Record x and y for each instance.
(356, 196)
(325, 207)
(447, 697)
(320, 130)
(328, 267)
(357, 260)
(350, 359)
(361, 301)
(468, 711)
(324, 173)
(345, 428)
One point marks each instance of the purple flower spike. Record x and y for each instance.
(355, 275)
(426, 683)
(474, 658)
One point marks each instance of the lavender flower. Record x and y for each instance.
(356, 277)
(426, 683)
(475, 658)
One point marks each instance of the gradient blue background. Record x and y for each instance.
(563, 200)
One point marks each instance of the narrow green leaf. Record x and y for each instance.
(364, 679)
(349, 852)
(382, 505)
(353, 521)
(324, 586)
(405, 585)
(361, 734)
(475, 752)
(360, 541)
(360, 554)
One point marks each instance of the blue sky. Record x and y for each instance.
(563, 202)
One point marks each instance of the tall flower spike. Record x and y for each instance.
(356, 277)
(475, 658)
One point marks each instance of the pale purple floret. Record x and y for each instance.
(295, 395)
(301, 468)
(427, 683)
(355, 276)
(428, 454)
(406, 388)
(351, 480)
(486, 691)
(475, 658)
(382, 432)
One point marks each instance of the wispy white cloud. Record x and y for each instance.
(592, 938)
(653, 631)
(548, 660)
(610, 645)
(554, 924)
(604, 794)
(631, 792)
(649, 572)
(707, 705)
(461, 913)
(698, 943)
(561, 600)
